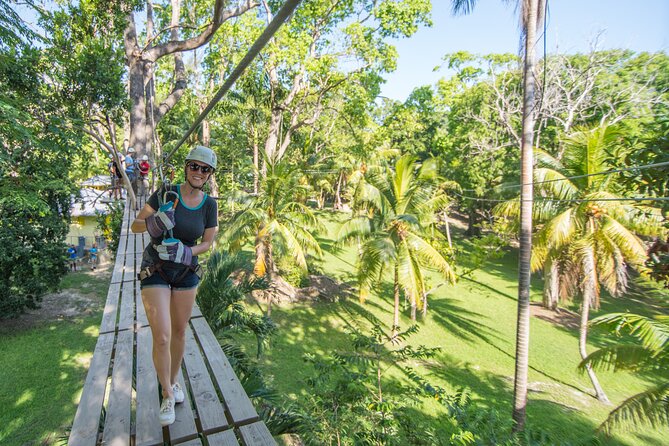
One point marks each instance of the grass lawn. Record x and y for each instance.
(44, 364)
(474, 324)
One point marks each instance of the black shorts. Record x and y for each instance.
(174, 276)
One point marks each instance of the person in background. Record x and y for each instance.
(93, 253)
(72, 256)
(116, 178)
(144, 168)
(130, 168)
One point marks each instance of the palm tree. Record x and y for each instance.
(279, 225)
(586, 237)
(531, 15)
(651, 406)
(394, 212)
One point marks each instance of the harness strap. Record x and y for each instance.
(158, 268)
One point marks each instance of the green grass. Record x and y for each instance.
(43, 370)
(474, 324)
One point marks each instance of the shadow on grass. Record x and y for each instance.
(43, 372)
(564, 425)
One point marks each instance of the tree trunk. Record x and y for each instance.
(139, 136)
(396, 305)
(414, 305)
(472, 222)
(448, 230)
(256, 167)
(583, 339)
(531, 14)
(551, 285)
(337, 198)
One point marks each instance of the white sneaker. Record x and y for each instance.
(178, 393)
(167, 415)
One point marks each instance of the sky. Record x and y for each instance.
(492, 27)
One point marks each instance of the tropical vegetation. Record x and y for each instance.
(473, 197)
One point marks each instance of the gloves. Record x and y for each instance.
(173, 250)
(161, 221)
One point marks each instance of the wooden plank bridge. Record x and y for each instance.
(120, 402)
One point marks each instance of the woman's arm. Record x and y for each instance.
(207, 241)
(139, 223)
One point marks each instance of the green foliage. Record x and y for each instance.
(394, 226)
(350, 401)
(110, 223)
(221, 299)
(582, 228)
(36, 152)
(32, 235)
(292, 273)
(650, 354)
(280, 225)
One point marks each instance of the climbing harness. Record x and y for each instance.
(158, 268)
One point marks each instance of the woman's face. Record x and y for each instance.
(197, 173)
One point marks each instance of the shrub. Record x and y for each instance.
(110, 225)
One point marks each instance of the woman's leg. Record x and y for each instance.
(181, 306)
(157, 305)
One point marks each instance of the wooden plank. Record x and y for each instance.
(148, 431)
(256, 434)
(142, 320)
(129, 268)
(196, 442)
(209, 408)
(117, 274)
(127, 317)
(87, 419)
(108, 323)
(225, 438)
(196, 311)
(184, 427)
(117, 421)
(237, 402)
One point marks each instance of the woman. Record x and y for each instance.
(170, 271)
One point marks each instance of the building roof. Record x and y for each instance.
(91, 201)
(97, 181)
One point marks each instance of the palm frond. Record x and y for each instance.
(410, 274)
(628, 243)
(546, 160)
(617, 358)
(354, 229)
(431, 257)
(652, 332)
(649, 407)
(376, 253)
(553, 184)
(292, 246)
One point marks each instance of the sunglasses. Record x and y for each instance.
(194, 167)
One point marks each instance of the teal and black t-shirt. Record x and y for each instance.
(190, 222)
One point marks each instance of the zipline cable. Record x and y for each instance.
(604, 172)
(566, 200)
(284, 13)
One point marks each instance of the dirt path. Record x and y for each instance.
(67, 304)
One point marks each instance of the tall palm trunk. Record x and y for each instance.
(531, 13)
(582, 340)
(396, 305)
(337, 197)
(551, 285)
(590, 282)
